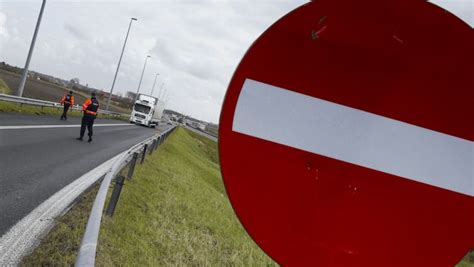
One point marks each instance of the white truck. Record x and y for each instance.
(147, 110)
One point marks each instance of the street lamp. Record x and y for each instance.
(141, 78)
(30, 52)
(164, 94)
(120, 60)
(153, 88)
(161, 87)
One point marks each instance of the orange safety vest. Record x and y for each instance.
(91, 106)
(67, 99)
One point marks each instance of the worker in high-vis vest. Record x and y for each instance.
(67, 101)
(90, 108)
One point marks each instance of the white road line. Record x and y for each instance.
(20, 127)
(355, 136)
(24, 235)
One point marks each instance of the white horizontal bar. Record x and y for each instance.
(355, 136)
(20, 127)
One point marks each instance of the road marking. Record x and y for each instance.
(23, 236)
(355, 136)
(18, 127)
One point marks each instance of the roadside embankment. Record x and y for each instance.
(173, 212)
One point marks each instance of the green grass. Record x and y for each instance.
(10, 107)
(4, 89)
(468, 260)
(175, 212)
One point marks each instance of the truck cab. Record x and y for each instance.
(147, 110)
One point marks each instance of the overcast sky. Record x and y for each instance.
(195, 45)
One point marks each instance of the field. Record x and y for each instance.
(173, 212)
(9, 107)
(48, 91)
(4, 88)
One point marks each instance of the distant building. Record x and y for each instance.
(131, 95)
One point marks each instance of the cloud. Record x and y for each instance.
(75, 31)
(195, 45)
(3, 30)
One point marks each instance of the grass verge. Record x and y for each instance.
(173, 212)
(60, 246)
(468, 260)
(4, 89)
(11, 107)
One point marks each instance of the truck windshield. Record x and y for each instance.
(142, 108)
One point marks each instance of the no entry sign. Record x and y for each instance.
(346, 136)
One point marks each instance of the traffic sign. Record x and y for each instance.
(346, 136)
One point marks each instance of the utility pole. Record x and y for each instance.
(30, 52)
(141, 77)
(120, 60)
(153, 88)
(161, 87)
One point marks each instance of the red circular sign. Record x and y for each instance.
(346, 136)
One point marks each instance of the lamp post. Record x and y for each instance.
(30, 52)
(153, 88)
(141, 77)
(120, 60)
(164, 94)
(161, 87)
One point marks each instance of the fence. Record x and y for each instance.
(87, 251)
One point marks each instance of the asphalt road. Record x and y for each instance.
(213, 138)
(36, 163)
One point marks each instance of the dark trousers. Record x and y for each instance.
(66, 108)
(87, 121)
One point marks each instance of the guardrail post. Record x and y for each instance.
(152, 147)
(119, 182)
(131, 169)
(144, 153)
(158, 142)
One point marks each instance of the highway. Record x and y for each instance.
(36, 162)
(213, 138)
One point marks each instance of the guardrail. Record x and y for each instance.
(44, 103)
(87, 251)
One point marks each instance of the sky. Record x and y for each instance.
(195, 45)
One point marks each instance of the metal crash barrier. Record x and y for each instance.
(87, 251)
